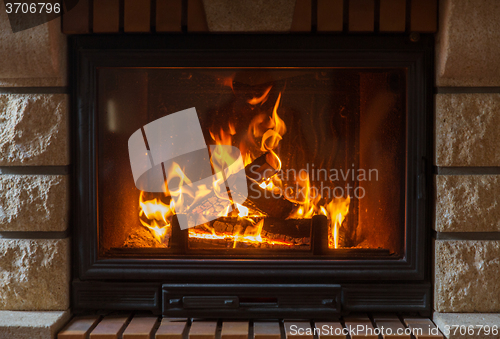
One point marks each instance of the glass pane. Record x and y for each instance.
(314, 142)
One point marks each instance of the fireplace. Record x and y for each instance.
(330, 135)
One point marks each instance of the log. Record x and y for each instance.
(272, 204)
(258, 199)
(296, 232)
(262, 168)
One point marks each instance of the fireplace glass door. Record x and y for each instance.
(323, 151)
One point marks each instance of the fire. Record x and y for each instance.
(263, 135)
(227, 81)
(159, 217)
(251, 235)
(336, 210)
(262, 99)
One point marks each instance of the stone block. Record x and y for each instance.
(32, 325)
(467, 203)
(33, 129)
(34, 203)
(468, 43)
(34, 274)
(249, 15)
(466, 276)
(466, 130)
(481, 324)
(36, 56)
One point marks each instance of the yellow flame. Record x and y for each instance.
(159, 217)
(337, 211)
(273, 136)
(159, 232)
(307, 206)
(242, 210)
(264, 134)
(252, 234)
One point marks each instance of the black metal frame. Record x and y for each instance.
(90, 52)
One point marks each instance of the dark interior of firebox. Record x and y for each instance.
(324, 151)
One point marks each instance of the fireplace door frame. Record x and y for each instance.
(307, 50)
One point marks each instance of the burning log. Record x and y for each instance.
(271, 203)
(262, 168)
(238, 233)
(259, 199)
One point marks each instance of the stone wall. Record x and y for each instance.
(467, 156)
(34, 185)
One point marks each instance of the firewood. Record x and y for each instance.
(294, 228)
(262, 168)
(272, 204)
(258, 199)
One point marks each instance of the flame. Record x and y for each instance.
(264, 134)
(159, 232)
(308, 205)
(262, 99)
(159, 217)
(242, 210)
(272, 136)
(227, 81)
(337, 210)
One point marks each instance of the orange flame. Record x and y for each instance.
(228, 81)
(264, 134)
(262, 99)
(337, 210)
(159, 217)
(251, 235)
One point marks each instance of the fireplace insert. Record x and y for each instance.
(252, 175)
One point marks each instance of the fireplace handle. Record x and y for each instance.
(210, 302)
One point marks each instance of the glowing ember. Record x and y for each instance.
(252, 235)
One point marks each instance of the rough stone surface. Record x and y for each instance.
(466, 276)
(249, 15)
(467, 203)
(31, 325)
(33, 129)
(38, 52)
(33, 82)
(34, 274)
(468, 43)
(467, 130)
(33, 203)
(446, 321)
